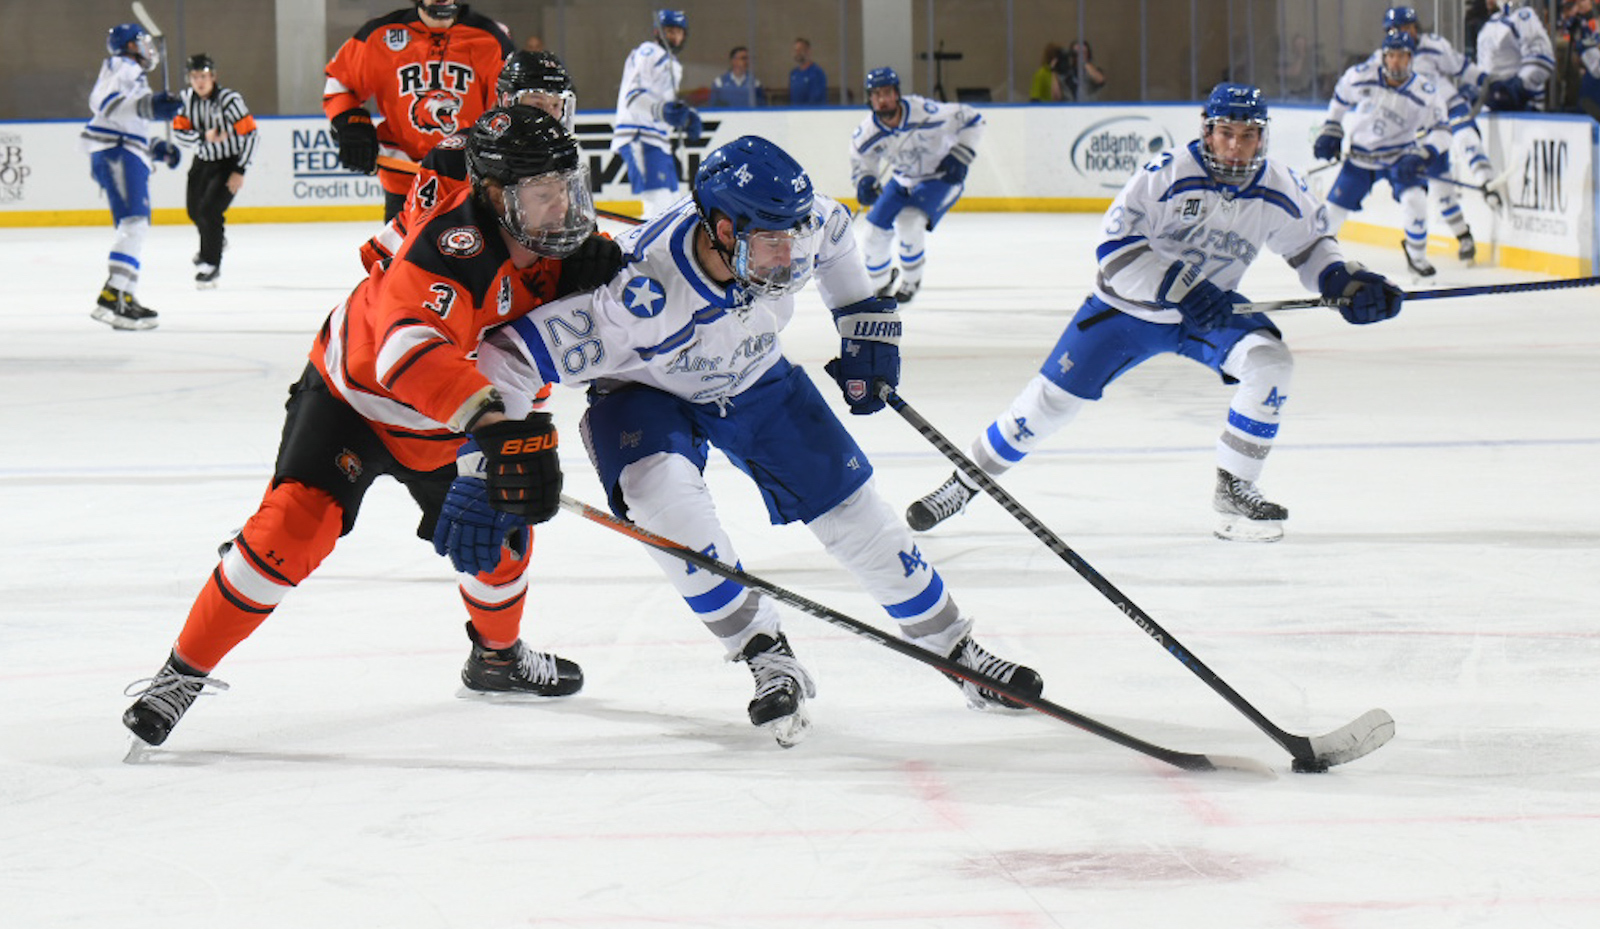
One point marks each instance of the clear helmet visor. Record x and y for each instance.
(144, 49)
(1396, 66)
(775, 262)
(562, 106)
(1234, 149)
(550, 214)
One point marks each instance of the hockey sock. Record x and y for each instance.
(1041, 410)
(1265, 370)
(495, 599)
(289, 535)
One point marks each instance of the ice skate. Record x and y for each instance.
(951, 498)
(164, 699)
(892, 287)
(119, 310)
(205, 276)
(906, 290)
(782, 687)
(970, 654)
(1418, 261)
(1467, 249)
(518, 670)
(1246, 515)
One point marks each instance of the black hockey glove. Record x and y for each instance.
(592, 264)
(521, 466)
(1363, 297)
(470, 532)
(358, 141)
(869, 352)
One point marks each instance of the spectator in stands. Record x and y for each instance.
(808, 83)
(1081, 78)
(1046, 86)
(737, 86)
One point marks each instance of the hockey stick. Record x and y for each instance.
(1443, 293)
(1363, 735)
(619, 217)
(150, 26)
(1321, 168)
(1184, 760)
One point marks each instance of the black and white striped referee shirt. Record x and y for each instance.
(224, 110)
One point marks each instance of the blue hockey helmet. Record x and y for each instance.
(671, 19)
(1397, 16)
(1238, 104)
(768, 197)
(144, 47)
(1397, 40)
(882, 77)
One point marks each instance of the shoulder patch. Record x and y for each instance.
(644, 297)
(460, 242)
(396, 38)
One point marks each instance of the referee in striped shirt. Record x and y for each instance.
(218, 125)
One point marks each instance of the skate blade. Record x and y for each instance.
(1244, 529)
(139, 751)
(790, 730)
(506, 696)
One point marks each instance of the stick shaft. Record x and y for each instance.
(1442, 293)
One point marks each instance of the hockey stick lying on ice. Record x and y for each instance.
(1442, 293)
(1365, 734)
(1185, 760)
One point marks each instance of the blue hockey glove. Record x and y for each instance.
(162, 150)
(675, 113)
(1509, 95)
(1410, 168)
(953, 167)
(1470, 93)
(1204, 305)
(1371, 297)
(521, 466)
(164, 106)
(470, 531)
(693, 129)
(869, 352)
(868, 191)
(1327, 146)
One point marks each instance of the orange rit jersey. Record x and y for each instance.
(401, 351)
(440, 177)
(426, 84)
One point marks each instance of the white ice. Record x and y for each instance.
(1440, 563)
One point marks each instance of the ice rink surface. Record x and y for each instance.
(1441, 563)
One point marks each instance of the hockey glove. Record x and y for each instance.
(1204, 305)
(693, 129)
(591, 265)
(1409, 169)
(1363, 297)
(1493, 197)
(1470, 93)
(164, 105)
(470, 531)
(869, 352)
(358, 141)
(1509, 95)
(868, 191)
(1327, 146)
(521, 466)
(162, 150)
(675, 113)
(953, 167)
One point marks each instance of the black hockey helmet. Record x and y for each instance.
(532, 157)
(199, 62)
(541, 79)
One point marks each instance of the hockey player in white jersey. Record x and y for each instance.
(909, 162)
(681, 352)
(1515, 50)
(1398, 129)
(649, 113)
(1177, 241)
(1437, 60)
(121, 148)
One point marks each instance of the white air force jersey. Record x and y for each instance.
(664, 323)
(1172, 210)
(650, 78)
(1437, 60)
(1516, 43)
(1383, 122)
(912, 151)
(115, 101)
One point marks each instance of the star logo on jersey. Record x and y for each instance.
(644, 297)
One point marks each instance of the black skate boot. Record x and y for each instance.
(1468, 248)
(518, 669)
(1418, 261)
(951, 498)
(906, 290)
(119, 310)
(782, 687)
(164, 699)
(970, 654)
(205, 276)
(1246, 515)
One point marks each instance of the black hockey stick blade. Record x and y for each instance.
(1185, 760)
(1440, 293)
(1361, 736)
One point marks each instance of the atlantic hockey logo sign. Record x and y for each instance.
(1108, 152)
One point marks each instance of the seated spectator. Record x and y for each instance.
(1046, 86)
(737, 86)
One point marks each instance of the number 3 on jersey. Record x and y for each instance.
(446, 298)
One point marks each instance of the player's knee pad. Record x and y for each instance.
(131, 232)
(1414, 204)
(658, 488)
(911, 226)
(290, 534)
(1041, 410)
(862, 529)
(876, 244)
(1264, 368)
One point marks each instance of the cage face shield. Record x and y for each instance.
(776, 262)
(550, 214)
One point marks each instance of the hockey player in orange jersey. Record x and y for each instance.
(393, 389)
(430, 70)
